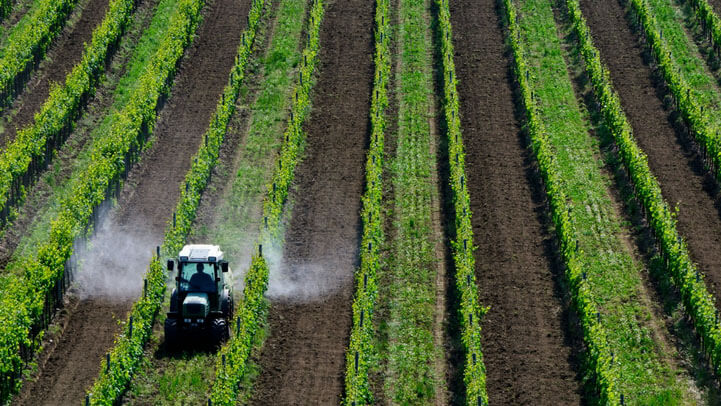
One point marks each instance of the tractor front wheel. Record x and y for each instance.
(171, 334)
(220, 331)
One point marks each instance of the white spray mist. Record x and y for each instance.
(115, 261)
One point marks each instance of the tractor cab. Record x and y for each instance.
(202, 297)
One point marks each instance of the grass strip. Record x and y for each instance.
(697, 300)
(27, 42)
(29, 153)
(232, 362)
(27, 297)
(411, 351)
(474, 371)
(126, 355)
(269, 113)
(360, 353)
(622, 358)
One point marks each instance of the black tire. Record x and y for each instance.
(220, 331)
(226, 305)
(171, 334)
(174, 301)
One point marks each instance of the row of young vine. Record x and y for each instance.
(690, 109)
(599, 359)
(24, 159)
(123, 360)
(25, 294)
(232, 361)
(710, 22)
(5, 8)
(474, 371)
(696, 298)
(27, 42)
(359, 356)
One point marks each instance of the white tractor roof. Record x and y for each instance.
(201, 253)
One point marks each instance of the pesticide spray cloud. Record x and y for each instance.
(115, 261)
(298, 280)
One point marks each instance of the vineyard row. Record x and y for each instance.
(232, 360)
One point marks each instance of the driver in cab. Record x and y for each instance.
(201, 280)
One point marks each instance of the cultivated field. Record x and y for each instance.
(422, 201)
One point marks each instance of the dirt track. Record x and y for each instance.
(679, 171)
(303, 360)
(527, 358)
(148, 198)
(64, 53)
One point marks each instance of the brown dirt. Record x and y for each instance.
(678, 169)
(73, 364)
(150, 195)
(527, 354)
(63, 55)
(303, 360)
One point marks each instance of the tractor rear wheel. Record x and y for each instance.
(220, 331)
(171, 333)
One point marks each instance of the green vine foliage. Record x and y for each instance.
(5, 8)
(232, 361)
(697, 300)
(28, 41)
(126, 355)
(359, 356)
(599, 360)
(33, 147)
(693, 115)
(709, 21)
(24, 295)
(471, 311)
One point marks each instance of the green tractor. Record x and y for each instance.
(202, 300)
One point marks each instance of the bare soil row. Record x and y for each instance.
(303, 359)
(528, 354)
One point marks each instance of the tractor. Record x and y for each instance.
(202, 300)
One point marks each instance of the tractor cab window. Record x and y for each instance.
(198, 277)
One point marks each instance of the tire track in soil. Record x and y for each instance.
(303, 359)
(147, 200)
(64, 53)
(526, 350)
(678, 169)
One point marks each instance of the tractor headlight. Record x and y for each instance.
(199, 320)
(187, 320)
